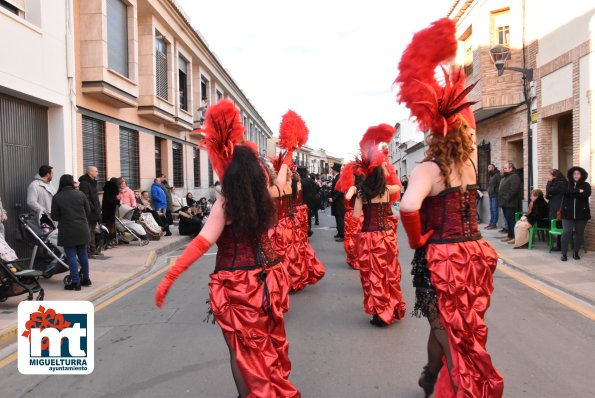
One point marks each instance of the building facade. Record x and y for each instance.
(540, 122)
(145, 79)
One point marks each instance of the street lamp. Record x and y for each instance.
(499, 54)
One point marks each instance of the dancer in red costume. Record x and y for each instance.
(353, 226)
(377, 252)
(244, 295)
(453, 265)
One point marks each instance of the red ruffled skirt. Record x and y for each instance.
(285, 238)
(461, 274)
(256, 337)
(352, 227)
(313, 269)
(380, 274)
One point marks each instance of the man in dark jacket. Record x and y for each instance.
(554, 192)
(170, 204)
(509, 194)
(338, 204)
(308, 194)
(575, 210)
(88, 186)
(493, 188)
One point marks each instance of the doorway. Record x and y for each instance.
(564, 142)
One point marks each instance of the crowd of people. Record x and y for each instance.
(565, 203)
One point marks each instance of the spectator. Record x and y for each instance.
(190, 221)
(109, 205)
(40, 193)
(167, 189)
(125, 194)
(554, 192)
(88, 186)
(3, 219)
(493, 188)
(203, 205)
(190, 202)
(308, 194)
(71, 209)
(509, 194)
(536, 214)
(319, 199)
(177, 202)
(337, 204)
(404, 183)
(160, 205)
(575, 210)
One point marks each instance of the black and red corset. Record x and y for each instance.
(283, 205)
(376, 217)
(452, 214)
(234, 253)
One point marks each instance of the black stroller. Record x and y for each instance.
(16, 280)
(45, 257)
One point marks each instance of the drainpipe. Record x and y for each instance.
(70, 73)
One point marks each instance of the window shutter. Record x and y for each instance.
(94, 147)
(161, 68)
(178, 164)
(117, 36)
(129, 162)
(197, 168)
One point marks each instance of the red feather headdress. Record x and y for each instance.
(371, 156)
(438, 109)
(293, 133)
(223, 131)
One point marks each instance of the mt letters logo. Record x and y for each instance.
(56, 337)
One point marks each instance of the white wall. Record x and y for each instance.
(587, 110)
(557, 86)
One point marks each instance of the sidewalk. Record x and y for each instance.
(116, 267)
(574, 277)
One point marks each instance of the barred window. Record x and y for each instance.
(129, 163)
(483, 161)
(183, 82)
(197, 168)
(211, 177)
(161, 66)
(94, 147)
(117, 36)
(158, 169)
(178, 159)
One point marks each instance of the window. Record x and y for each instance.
(158, 170)
(204, 88)
(178, 159)
(483, 160)
(197, 168)
(468, 51)
(94, 147)
(219, 95)
(183, 82)
(129, 163)
(211, 177)
(500, 27)
(117, 36)
(8, 6)
(161, 66)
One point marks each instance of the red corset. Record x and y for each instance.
(376, 216)
(234, 253)
(294, 202)
(283, 204)
(452, 215)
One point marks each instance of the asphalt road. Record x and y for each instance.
(543, 349)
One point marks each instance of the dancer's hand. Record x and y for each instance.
(412, 223)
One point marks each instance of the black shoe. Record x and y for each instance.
(525, 246)
(337, 236)
(564, 258)
(576, 256)
(427, 381)
(556, 249)
(72, 286)
(168, 233)
(86, 282)
(310, 233)
(316, 223)
(339, 239)
(376, 321)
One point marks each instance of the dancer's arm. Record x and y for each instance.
(420, 186)
(357, 207)
(350, 192)
(199, 246)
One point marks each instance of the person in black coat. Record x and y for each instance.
(554, 192)
(575, 210)
(71, 208)
(308, 194)
(109, 206)
(338, 204)
(88, 186)
(509, 196)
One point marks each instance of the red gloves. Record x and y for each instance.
(412, 224)
(193, 252)
(288, 159)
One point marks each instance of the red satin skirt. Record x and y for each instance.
(285, 238)
(352, 228)
(256, 338)
(461, 274)
(313, 269)
(380, 274)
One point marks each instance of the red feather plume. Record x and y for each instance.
(435, 107)
(293, 132)
(223, 130)
(347, 177)
(370, 155)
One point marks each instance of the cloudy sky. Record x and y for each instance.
(333, 62)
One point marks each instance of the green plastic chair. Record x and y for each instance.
(535, 228)
(554, 230)
(518, 215)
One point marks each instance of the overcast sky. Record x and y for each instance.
(333, 62)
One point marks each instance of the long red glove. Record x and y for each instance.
(412, 223)
(288, 159)
(193, 252)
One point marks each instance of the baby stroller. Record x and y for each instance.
(14, 279)
(127, 230)
(45, 257)
(101, 237)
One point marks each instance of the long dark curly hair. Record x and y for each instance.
(248, 204)
(373, 185)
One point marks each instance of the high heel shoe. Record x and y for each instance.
(376, 321)
(427, 381)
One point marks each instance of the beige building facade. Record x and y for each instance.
(145, 78)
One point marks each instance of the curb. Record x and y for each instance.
(10, 333)
(516, 267)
